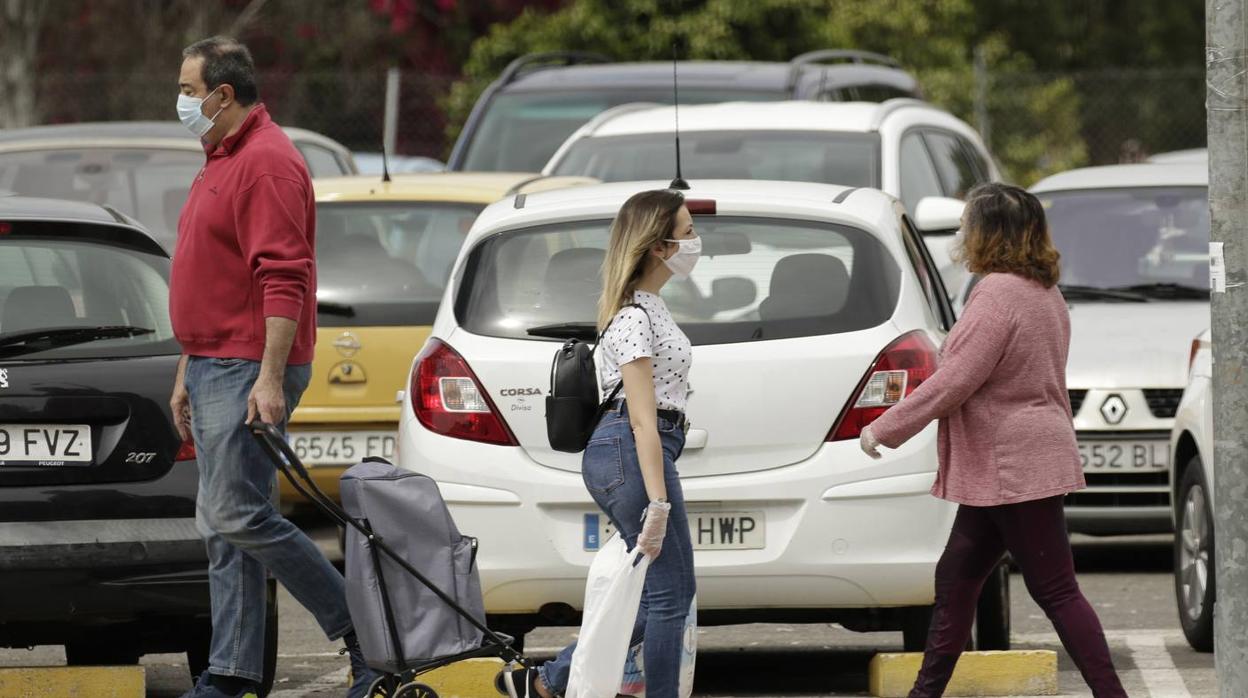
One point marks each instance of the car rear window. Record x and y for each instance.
(851, 159)
(150, 185)
(521, 130)
(46, 283)
(386, 264)
(758, 279)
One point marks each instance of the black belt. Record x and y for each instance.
(674, 416)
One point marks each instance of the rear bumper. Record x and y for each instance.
(842, 531)
(71, 575)
(1119, 520)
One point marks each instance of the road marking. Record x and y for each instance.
(1152, 658)
(336, 679)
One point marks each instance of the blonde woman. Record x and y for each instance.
(629, 466)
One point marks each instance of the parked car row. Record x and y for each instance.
(827, 197)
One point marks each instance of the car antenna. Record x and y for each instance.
(679, 182)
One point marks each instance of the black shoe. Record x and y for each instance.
(362, 677)
(518, 683)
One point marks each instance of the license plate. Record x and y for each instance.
(1124, 456)
(342, 447)
(709, 530)
(45, 445)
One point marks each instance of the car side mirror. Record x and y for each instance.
(731, 292)
(936, 215)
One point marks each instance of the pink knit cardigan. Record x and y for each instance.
(1005, 432)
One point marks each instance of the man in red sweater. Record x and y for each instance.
(243, 305)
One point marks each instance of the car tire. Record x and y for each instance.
(992, 612)
(99, 649)
(1195, 583)
(915, 623)
(198, 633)
(270, 639)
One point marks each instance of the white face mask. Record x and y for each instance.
(190, 113)
(686, 258)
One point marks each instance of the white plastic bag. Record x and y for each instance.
(634, 682)
(612, 595)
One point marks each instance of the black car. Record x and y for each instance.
(99, 550)
(540, 99)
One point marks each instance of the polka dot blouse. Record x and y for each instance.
(632, 335)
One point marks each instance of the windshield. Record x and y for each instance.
(149, 184)
(758, 279)
(386, 264)
(850, 159)
(521, 130)
(1131, 238)
(46, 284)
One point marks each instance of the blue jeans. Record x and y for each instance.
(612, 474)
(243, 530)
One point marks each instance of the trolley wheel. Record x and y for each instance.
(383, 687)
(415, 690)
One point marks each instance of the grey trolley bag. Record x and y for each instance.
(412, 583)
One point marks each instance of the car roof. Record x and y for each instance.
(1191, 155)
(1133, 175)
(737, 75)
(796, 200)
(15, 207)
(793, 115)
(163, 134)
(455, 187)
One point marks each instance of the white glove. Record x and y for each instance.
(870, 445)
(653, 529)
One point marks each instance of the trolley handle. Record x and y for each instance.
(274, 443)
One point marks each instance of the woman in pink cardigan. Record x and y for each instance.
(1006, 439)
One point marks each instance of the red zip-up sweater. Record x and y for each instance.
(245, 251)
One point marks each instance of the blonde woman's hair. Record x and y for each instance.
(645, 219)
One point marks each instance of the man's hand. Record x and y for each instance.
(180, 403)
(267, 401)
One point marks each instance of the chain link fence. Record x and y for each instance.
(1035, 123)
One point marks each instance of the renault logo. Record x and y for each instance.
(1114, 409)
(347, 345)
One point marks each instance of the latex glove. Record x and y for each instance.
(653, 529)
(870, 445)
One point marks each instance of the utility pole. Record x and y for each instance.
(1227, 105)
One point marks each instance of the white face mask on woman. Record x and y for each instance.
(190, 113)
(686, 258)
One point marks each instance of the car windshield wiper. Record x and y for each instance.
(584, 331)
(27, 341)
(1166, 290)
(332, 308)
(1074, 292)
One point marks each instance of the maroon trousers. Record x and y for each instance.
(1035, 534)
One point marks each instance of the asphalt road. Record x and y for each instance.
(1128, 581)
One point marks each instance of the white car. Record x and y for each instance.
(808, 299)
(1134, 241)
(906, 147)
(1191, 483)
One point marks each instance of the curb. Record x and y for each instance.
(471, 678)
(73, 682)
(1012, 673)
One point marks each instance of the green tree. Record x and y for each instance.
(934, 38)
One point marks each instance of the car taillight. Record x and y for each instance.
(897, 371)
(449, 400)
(186, 451)
(1197, 345)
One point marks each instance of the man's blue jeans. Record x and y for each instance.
(612, 474)
(244, 532)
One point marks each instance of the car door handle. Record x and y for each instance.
(696, 439)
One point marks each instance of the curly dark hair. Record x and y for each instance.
(1004, 230)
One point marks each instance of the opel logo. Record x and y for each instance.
(347, 345)
(1114, 409)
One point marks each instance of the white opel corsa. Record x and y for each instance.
(813, 309)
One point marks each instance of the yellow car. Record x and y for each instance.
(384, 252)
